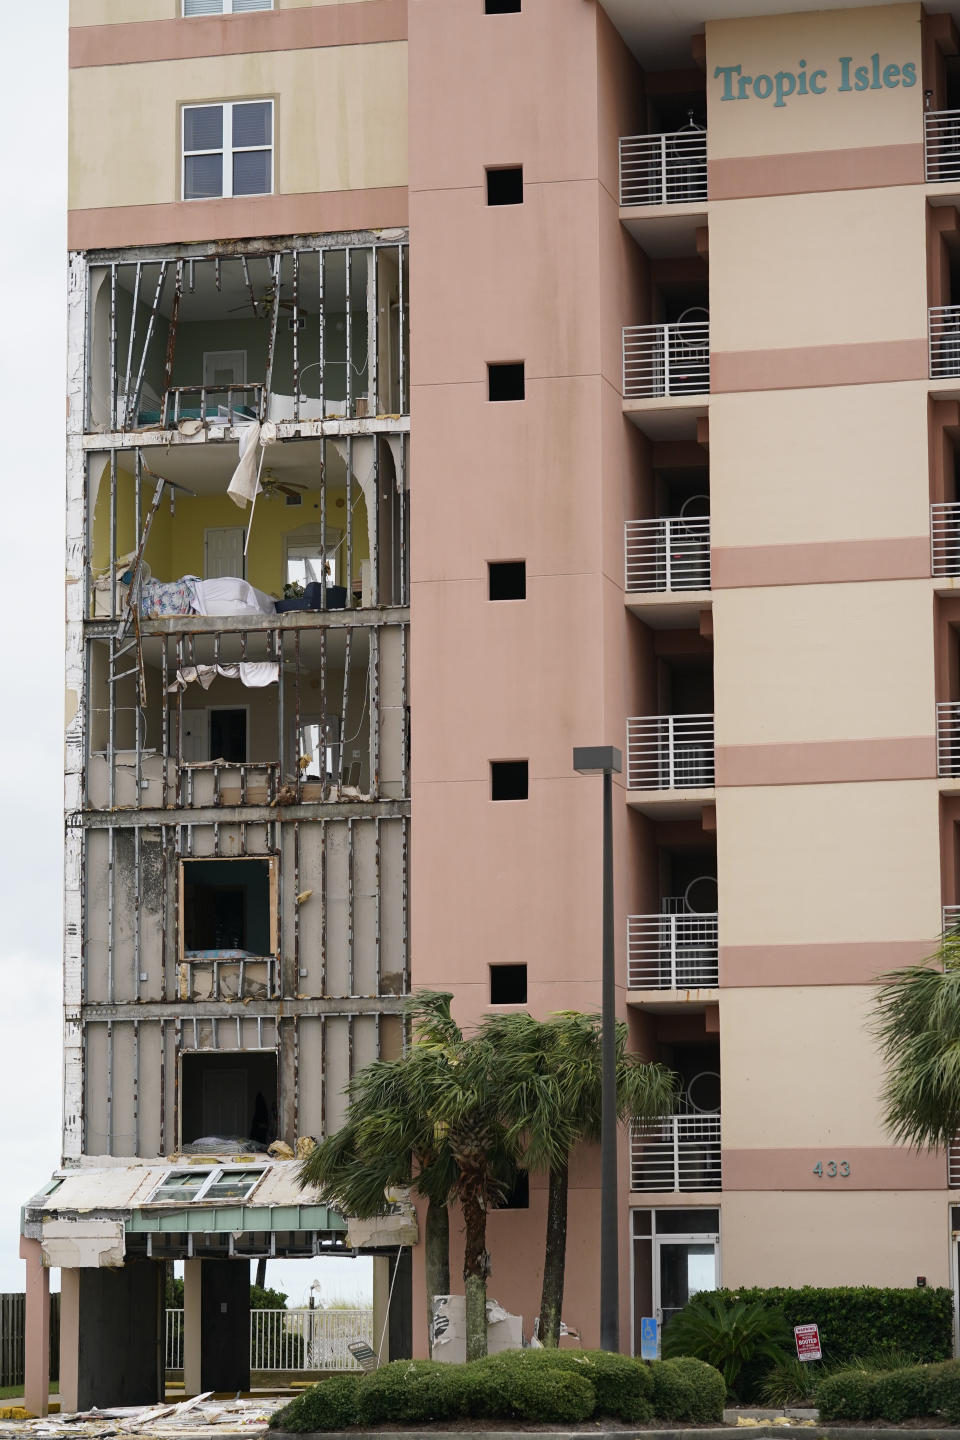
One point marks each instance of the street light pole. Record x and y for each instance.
(606, 760)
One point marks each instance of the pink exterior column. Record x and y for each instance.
(36, 1388)
(69, 1340)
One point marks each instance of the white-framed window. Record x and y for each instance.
(228, 149)
(310, 551)
(219, 1183)
(223, 7)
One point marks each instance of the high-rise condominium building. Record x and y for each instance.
(599, 364)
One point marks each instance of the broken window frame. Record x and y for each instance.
(212, 1177)
(226, 150)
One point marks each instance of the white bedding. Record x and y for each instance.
(228, 595)
(280, 408)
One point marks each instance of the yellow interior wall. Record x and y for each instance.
(176, 542)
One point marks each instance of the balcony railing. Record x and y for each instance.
(941, 145)
(663, 169)
(663, 555)
(945, 539)
(671, 752)
(672, 952)
(944, 341)
(953, 1164)
(951, 919)
(677, 1152)
(290, 1339)
(668, 359)
(948, 737)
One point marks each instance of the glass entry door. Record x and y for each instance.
(683, 1266)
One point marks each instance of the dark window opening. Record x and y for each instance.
(518, 1196)
(508, 984)
(228, 736)
(505, 185)
(508, 579)
(509, 780)
(501, 7)
(226, 906)
(505, 381)
(229, 1096)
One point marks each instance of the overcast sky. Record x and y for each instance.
(32, 370)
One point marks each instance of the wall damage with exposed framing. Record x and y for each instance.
(198, 739)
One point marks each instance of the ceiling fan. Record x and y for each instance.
(271, 486)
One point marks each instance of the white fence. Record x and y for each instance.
(290, 1339)
(941, 145)
(945, 539)
(663, 555)
(663, 169)
(672, 952)
(670, 752)
(677, 1152)
(666, 359)
(944, 341)
(948, 737)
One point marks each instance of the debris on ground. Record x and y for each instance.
(189, 1418)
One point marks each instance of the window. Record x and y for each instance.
(307, 560)
(216, 1184)
(508, 984)
(501, 7)
(228, 149)
(224, 7)
(507, 579)
(505, 382)
(508, 780)
(505, 185)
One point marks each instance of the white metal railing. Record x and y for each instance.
(290, 1339)
(941, 145)
(945, 539)
(666, 359)
(953, 1164)
(944, 341)
(672, 952)
(677, 1152)
(663, 169)
(173, 1345)
(670, 752)
(951, 918)
(948, 737)
(667, 554)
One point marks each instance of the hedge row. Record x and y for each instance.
(914, 1393)
(551, 1386)
(855, 1320)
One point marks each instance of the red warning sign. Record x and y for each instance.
(808, 1342)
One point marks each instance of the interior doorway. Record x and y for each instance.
(675, 1255)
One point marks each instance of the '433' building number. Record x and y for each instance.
(832, 1168)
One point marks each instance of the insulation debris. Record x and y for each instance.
(194, 1417)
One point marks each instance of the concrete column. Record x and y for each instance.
(216, 1325)
(36, 1388)
(381, 1292)
(111, 1336)
(69, 1340)
(400, 1328)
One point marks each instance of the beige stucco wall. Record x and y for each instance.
(340, 120)
(832, 121)
(835, 268)
(799, 1071)
(849, 470)
(120, 12)
(858, 1238)
(801, 663)
(807, 864)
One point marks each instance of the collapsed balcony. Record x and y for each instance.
(303, 334)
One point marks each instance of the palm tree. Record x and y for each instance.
(917, 1022)
(550, 1095)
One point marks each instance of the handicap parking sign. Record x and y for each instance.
(648, 1338)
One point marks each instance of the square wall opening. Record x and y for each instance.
(229, 1096)
(228, 906)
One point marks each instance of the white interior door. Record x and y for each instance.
(223, 552)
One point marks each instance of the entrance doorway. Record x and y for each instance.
(675, 1255)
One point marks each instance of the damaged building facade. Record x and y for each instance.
(649, 439)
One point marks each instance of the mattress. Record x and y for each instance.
(228, 595)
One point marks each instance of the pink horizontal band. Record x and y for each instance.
(186, 221)
(870, 362)
(871, 1168)
(822, 562)
(854, 962)
(365, 22)
(828, 762)
(862, 168)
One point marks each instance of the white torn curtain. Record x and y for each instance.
(253, 674)
(245, 482)
(362, 455)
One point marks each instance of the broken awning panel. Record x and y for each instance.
(253, 674)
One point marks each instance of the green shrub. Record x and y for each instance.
(523, 1385)
(687, 1389)
(727, 1333)
(331, 1405)
(855, 1320)
(790, 1381)
(622, 1385)
(848, 1395)
(913, 1392)
(417, 1390)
